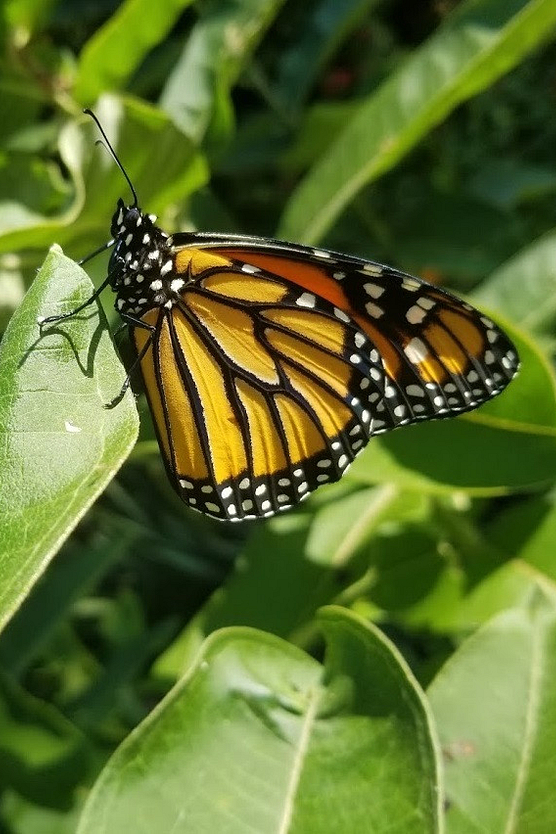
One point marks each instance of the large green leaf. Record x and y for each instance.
(496, 712)
(480, 41)
(60, 445)
(258, 737)
(524, 287)
(112, 54)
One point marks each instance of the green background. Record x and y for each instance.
(383, 658)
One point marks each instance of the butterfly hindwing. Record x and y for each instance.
(260, 393)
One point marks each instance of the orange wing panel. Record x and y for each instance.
(189, 457)
(234, 332)
(197, 260)
(267, 450)
(333, 414)
(140, 337)
(464, 330)
(320, 329)
(334, 372)
(226, 447)
(243, 288)
(307, 275)
(303, 437)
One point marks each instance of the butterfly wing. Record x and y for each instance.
(278, 363)
(441, 355)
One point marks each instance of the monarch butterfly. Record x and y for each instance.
(268, 366)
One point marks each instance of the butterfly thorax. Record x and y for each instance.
(142, 263)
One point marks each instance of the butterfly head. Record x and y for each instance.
(131, 229)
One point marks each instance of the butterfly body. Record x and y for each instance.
(268, 366)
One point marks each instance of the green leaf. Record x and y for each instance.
(289, 746)
(497, 724)
(342, 527)
(479, 42)
(273, 565)
(301, 562)
(197, 90)
(27, 16)
(527, 530)
(114, 52)
(23, 227)
(60, 445)
(524, 288)
(440, 574)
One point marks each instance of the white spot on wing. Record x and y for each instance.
(416, 350)
(374, 290)
(414, 391)
(374, 310)
(372, 269)
(340, 314)
(415, 315)
(307, 299)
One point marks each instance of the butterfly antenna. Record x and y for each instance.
(114, 155)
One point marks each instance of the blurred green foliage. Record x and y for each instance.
(421, 135)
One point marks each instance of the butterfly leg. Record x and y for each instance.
(42, 320)
(100, 249)
(137, 361)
